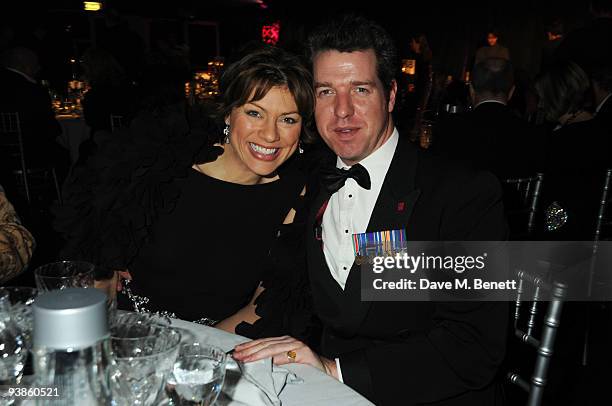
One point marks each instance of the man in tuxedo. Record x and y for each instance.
(490, 137)
(21, 93)
(390, 352)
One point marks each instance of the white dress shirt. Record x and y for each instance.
(349, 209)
(348, 212)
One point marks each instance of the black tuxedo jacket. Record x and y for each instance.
(416, 352)
(38, 124)
(604, 117)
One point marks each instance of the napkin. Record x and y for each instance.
(257, 383)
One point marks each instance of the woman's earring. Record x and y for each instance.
(226, 132)
(300, 149)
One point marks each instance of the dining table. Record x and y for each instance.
(309, 385)
(74, 132)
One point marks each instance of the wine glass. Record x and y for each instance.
(197, 376)
(425, 136)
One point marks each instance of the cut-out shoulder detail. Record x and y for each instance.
(291, 215)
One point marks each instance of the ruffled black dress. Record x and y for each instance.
(195, 246)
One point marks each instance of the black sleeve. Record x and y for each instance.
(112, 201)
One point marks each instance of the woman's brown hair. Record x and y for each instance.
(252, 76)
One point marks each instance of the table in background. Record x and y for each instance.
(74, 132)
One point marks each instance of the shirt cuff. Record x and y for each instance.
(339, 370)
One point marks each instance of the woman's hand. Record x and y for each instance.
(284, 350)
(121, 275)
(112, 285)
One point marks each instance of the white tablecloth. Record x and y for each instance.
(74, 132)
(317, 388)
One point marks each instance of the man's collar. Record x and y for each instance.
(26, 77)
(490, 101)
(602, 103)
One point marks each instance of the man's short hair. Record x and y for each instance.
(494, 76)
(353, 33)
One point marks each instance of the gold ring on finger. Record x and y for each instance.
(291, 355)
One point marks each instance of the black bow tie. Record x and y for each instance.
(334, 178)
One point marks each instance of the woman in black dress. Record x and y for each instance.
(187, 213)
(576, 154)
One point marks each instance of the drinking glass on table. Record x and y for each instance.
(77, 274)
(425, 135)
(21, 299)
(143, 357)
(197, 376)
(13, 349)
(65, 274)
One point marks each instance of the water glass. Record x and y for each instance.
(13, 350)
(197, 376)
(76, 274)
(143, 357)
(125, 321)
(21, 299)
(65, 274)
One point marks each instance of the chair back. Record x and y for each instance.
(527, 191)
(531, 293)
(603, 220)
(602, 226)
(14, 151)
(116, 122)
(11, 141)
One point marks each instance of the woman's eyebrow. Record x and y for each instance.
(282, 114)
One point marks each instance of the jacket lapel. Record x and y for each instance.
(326, 292)
(399, 193)
(394, 207)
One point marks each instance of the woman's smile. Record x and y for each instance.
(263, 153)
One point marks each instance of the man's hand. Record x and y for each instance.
(279, 349)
